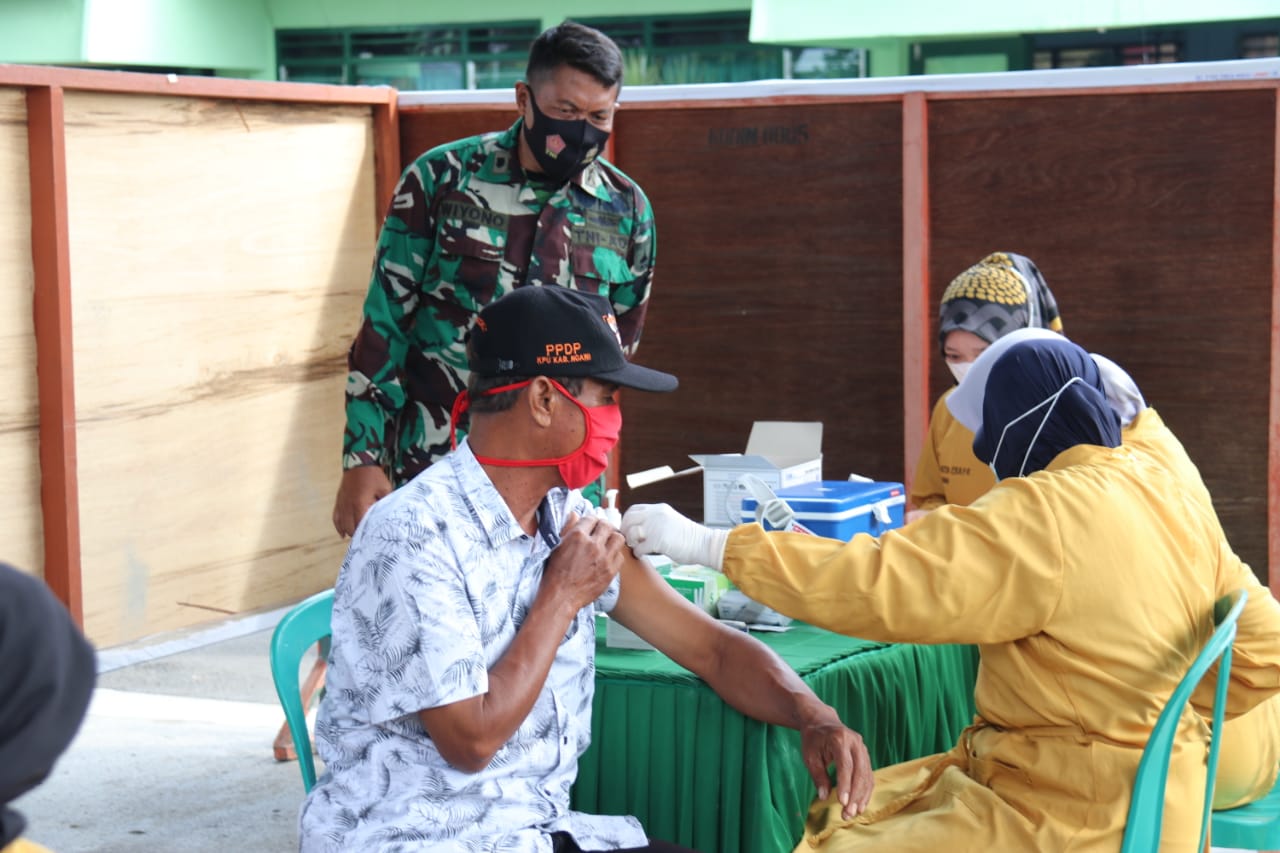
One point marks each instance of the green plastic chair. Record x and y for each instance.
(299, 630)
(1146, 809)
(1252, 827)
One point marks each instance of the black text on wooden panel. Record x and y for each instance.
(777, 294)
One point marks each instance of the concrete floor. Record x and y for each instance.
(175, 755)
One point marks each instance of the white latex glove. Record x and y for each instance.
(659, 529)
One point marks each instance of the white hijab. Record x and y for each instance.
(965, 402)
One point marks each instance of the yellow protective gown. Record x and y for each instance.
(1249, 749)
(22, 845)
(1089, 593)
(948, 472)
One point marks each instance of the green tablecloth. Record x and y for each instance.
(695, 772)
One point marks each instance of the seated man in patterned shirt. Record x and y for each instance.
(461, 676)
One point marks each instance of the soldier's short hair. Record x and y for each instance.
(578, 46)
(477, 385)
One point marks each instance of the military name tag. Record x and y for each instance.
(473, 215)
(601, 229)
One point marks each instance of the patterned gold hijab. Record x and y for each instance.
(999, 294)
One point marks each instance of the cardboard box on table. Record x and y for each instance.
(779, 453)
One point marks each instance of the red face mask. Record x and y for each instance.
(577, 469)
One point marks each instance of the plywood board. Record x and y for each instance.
(229, 515)
(777, 291)
(20, 518)
(219, 255)
(1151, 217)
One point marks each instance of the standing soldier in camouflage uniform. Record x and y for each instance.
(469, 221)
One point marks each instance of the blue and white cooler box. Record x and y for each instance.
(836, 509)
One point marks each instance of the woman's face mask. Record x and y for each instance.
(959, 369)
(602, 425)
(961, 349)
(1050, 401)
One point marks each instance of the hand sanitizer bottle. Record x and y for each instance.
(610, 511)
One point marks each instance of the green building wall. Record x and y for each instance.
(41, 31)
(237, 37)
(303, 14)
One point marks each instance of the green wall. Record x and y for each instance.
(40, 31)
(233, 37)
(229, 36)
(237, 37)
(806, 21)
(304, 14)
(929, 36)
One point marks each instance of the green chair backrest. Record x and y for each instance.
(299, 630)
(1146, 809)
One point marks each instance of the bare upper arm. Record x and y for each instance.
(650, 607)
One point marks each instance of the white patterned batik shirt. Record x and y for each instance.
(435, 586)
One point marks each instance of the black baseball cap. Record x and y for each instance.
(554, 331)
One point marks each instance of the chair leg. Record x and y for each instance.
(283, 746)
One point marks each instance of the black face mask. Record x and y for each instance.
(562, 147)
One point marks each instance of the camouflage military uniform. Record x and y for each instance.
(467, 225)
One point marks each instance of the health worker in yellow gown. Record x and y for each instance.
(1088, 583)
(1249, 751)
(1000, 294)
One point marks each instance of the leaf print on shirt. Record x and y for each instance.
(459, 817)
(519, 611)
(378, 568)
(365, 692)
(399, 658)
(343, 821)
(417, 536)
(454, 600)
(542, 719)
(492, 620)
(433, 785)
(510, 844)
(371, 633)
(401, 834)
(462, 673)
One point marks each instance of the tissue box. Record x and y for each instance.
(839, 509)
(700, 584)
(780, 453)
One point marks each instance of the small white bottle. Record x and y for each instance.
(610, 512)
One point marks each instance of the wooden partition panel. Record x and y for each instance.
(778, 288)
(220, 251)
(20, 522)
(1151, 218)
(423, 128)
